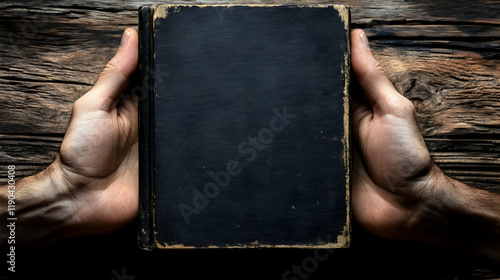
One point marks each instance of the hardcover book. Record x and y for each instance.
(244, 126)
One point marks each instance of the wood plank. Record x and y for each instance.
(42, 73)
(443, 55)
(454, 92)
(363, 10)
(457, 97)
(445, 62)
(28, 150)
(51, 42)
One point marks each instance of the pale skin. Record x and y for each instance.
(397, 191)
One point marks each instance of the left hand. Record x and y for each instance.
(99, 154)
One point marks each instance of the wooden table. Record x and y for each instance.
(443, 55)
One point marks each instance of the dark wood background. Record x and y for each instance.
(443, 55)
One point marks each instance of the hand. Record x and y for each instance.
(92, 186)
(392, 166)
(99, 153)
(397, 191)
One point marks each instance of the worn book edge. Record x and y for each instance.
(147, 234)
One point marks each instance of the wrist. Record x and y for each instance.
(59, 203)
(436, 207)
(459, 217)
(44, 209)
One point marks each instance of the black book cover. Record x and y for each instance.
(244, 126)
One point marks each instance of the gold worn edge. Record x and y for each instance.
(161, 10)
(257, 245)
(344, 14)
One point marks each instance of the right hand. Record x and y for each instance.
(392, 167)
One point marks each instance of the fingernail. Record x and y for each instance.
(364, 39)
(125, 36)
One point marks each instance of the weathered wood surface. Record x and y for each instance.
(443, 55)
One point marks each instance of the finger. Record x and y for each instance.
(377, 87)
(115, 77)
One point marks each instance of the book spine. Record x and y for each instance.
(146, 74)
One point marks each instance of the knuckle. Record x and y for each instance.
(375, 70)
(409, 106)
(114, 66)
(111, 64)
(78, 105)
(401, 106)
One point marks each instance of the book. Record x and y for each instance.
(244, 126)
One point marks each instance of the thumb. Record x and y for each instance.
(377, 87)
(115, 76)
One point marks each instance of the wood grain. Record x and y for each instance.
(443, 55)
(457, 97)
(445, 58)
